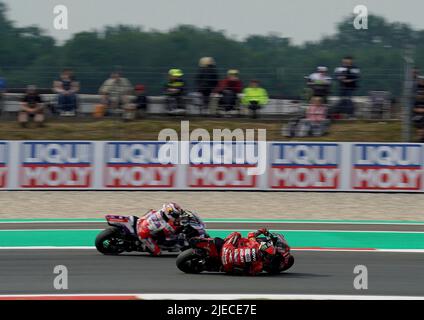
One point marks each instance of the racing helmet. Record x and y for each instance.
(172, 210)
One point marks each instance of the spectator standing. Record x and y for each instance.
(229, 88)
(66, 88)
(206, 79)
(320, 83)
(175, 90)
(348, 76)
(32, 108)
(254, 97)
(115, 92)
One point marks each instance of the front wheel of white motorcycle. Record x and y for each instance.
(110, 242)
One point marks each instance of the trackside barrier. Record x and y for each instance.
(139, 165)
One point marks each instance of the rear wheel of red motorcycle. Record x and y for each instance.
(108, 241)
(189, 262)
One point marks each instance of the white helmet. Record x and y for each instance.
(172, 210)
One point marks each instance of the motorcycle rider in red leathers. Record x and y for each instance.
(245, 255)
(163, 222)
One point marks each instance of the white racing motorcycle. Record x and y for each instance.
(121, 235)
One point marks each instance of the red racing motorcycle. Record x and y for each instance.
(205, 255)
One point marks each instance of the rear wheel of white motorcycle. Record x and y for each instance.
(109, 241)
(189, 261)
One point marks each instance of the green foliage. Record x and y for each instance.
(27, 55)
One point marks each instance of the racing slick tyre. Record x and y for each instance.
(289, 264)
(189, 262)
(275, 267)
(109, 241)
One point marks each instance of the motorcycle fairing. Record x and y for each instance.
(125, 222)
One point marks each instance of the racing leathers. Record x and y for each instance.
(153, 225)
(242, 255)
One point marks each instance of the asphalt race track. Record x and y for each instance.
(31, 272)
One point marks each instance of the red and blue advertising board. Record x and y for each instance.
(56, 164)
(137, 165)
(391, 167)
(4, 155)
(309, 166)
(222, 165)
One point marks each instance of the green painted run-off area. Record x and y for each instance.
(298, 239)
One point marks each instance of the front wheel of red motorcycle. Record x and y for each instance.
(189, 261)
(276, 265)
(289, 264)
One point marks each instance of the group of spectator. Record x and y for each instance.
(316, 120)
(115, 95)
(33, 107)
(347, 76)
(208, 83)
(118, 95)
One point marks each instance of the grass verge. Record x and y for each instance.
(148, 129)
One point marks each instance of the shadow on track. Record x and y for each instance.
(142, 255)
(262, 275)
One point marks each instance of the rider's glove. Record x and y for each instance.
(263, 231)
(181, 236)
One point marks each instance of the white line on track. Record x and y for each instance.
(213, 296)
(400, 223)
(329, 231)
(359, 250)
(293, 249)
(272, 297)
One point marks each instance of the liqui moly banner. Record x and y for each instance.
(394, 167)
(205, 165)
(223, 165)
(56, 164)
(305, 166)
(4, 159)
(139, 165)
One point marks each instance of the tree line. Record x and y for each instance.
(29, 56)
